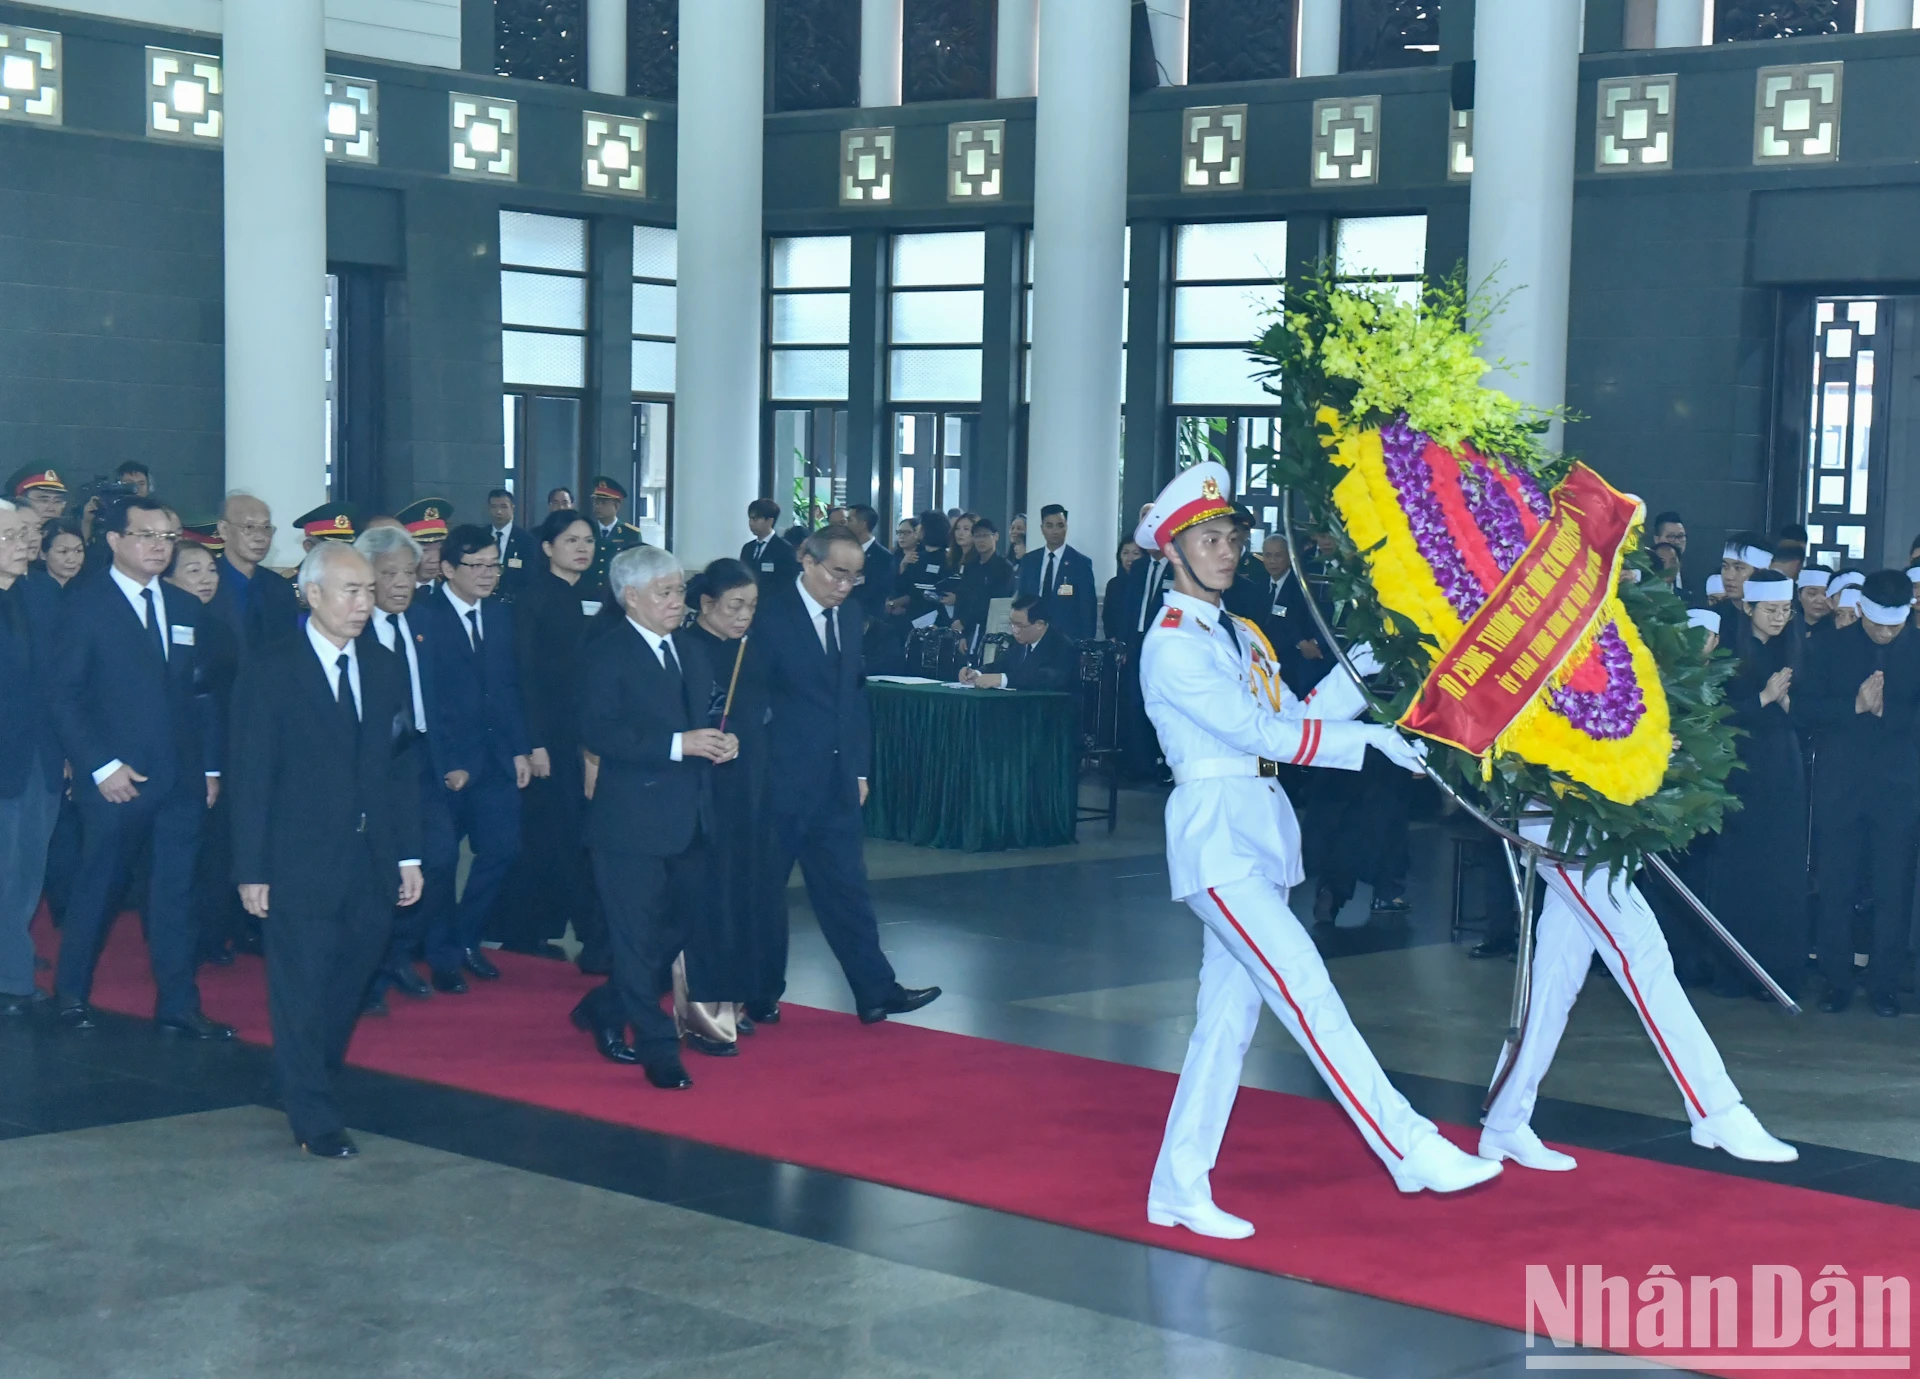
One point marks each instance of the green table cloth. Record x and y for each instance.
(972, 769)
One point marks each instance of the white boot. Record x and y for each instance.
(1435, 1164)
(1739, 1132)
(1202, 1218)
(1524, 1148)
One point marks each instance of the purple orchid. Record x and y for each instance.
(1403, 448)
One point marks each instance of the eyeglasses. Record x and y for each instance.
(840, 577)
(16, 538)
(164, 538)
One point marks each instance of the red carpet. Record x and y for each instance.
(1072, 1140)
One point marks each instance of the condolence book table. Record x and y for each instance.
(972, 769)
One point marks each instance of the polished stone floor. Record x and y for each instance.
(154, 1221)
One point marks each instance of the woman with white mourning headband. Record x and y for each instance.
(1862, 691)
(1815, 605)
(1762, 871)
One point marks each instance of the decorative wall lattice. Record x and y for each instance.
(976, 160)
(186, 96)
(949, 50)
(816, 54)
(1238, 40)
(1459, 146)
(866, 166)
(653, 49)
(1213, 148)
(1346, 141)
(30, 74)
(1389, 33)
(353, 119)
(1634, 123)
(1796, 113)
(541, 40)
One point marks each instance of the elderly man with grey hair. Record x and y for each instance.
(643, 713)
(326, 833)
(395, 557)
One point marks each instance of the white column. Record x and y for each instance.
(1676, 24)
(1167, 21)
(1016, 55)
(607, 46)
(274, 67)
(1079, 236)
(1877, 15)
(1520, 225)
(717, 401)
(1319, 38)
(882, 51)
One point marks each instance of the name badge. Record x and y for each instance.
(1065, 591)
(590, 607)
(182, 636)
(514, 563)
(766, 566)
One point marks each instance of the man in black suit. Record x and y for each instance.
(1041, 657)
(767, 555)
(140, 727)
(643, 713)
(512, 541)
(477, 737)
(822, 745)
(876, 578)
(1141, 592)
(257, 604)
(1275, 601)
(1063, 576)
(326, 829)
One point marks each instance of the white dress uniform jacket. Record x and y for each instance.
(1220, 708)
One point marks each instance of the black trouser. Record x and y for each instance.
(1358, 826)
(409, 922)
(216, 900)
(829, 843)
(321, 951)
(1861, 834)
(112, 836)
(649, 902)
(553, 885)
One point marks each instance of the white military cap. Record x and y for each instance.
(1194, 496)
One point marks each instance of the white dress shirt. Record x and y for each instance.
(386, 632)
(462, 607)
(1050, 561)
(819, 613)
(133, 590)
(657, 643)
(500, 535)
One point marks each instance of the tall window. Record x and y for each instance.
(543, 350)
(656, 259)
(808, 327)
(1225, 278)
(934, 315)
(1390, 250)
(1026, 313)
(1848, 345)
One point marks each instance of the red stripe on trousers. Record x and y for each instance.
(1327, 1063)
(1626, 970)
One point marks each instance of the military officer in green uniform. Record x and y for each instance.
(610, 535)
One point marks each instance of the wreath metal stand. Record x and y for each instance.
(1523, 855)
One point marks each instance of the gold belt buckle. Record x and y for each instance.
(1269, 769)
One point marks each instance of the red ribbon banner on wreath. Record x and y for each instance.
(1536, 617)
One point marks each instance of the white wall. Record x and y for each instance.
(426, 32)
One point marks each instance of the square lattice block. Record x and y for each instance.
(1346, 142)
(1634, 121)
(30, 75)
(483, 137)
(976, 160)
(185, 97)
(1796, 114)
(353, 119)
(866, 166)
(1213, 148)
(1459, 145)
(613, 154)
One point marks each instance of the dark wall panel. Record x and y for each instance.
(110, 315)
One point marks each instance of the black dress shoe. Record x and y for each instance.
(19, 1007)
(333, 1145)
(1494, 948)
(669, 1074)
(764, 1012)
(743, 1024)
(251, 944)
(1887, 1006)
(217, 957)
(899, 1001)
(1389, 905)
(478, 963)
(611, 1043)
(76, 1016)
(713, 1048)
(195, 1026)
(1836, 1001)
(408, 980)
(450, 982)
(594, 964)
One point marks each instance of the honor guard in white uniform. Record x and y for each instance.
(1212, 687)
(1599, 912)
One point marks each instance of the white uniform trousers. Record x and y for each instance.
(1584, 914)
(1256, 952)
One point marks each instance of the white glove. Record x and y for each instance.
(1410, 753)
(1365, 663)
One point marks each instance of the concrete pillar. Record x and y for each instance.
(607, 46)
(1167, 21)
(717, 417)
(276, 258)
(1016, 55)
(882, 51)
(1079, 227)
(1676, 24)
(1319, 38)
(1878, 15)
(1521, 221)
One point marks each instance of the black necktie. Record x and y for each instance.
(1046, 578)
(343, 692)
(473, 624)
(670, 658)
(759, 549)
(153, 623)
(400, 650)
(1233, 633)
(833, 637)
